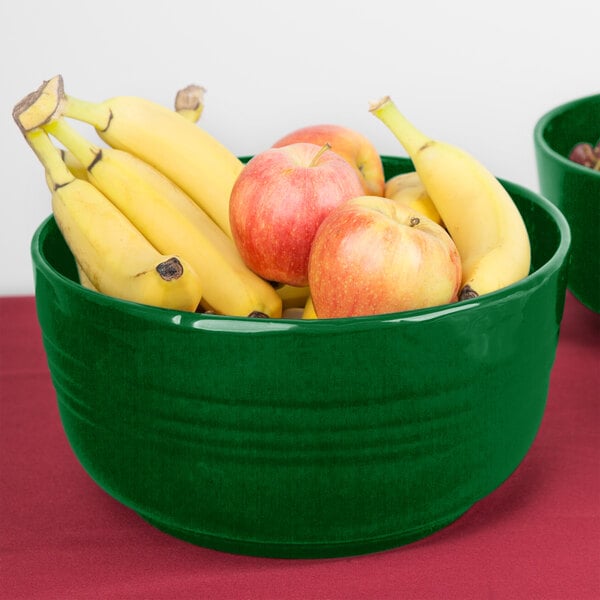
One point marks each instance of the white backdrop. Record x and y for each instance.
(476, 74)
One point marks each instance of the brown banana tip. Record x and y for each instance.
(189, 97)
(170, 269)
(467, 293)
(377, 104)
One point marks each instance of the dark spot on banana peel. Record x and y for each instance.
(110, 118)
(97, 159)
(256, 314)
(170, 269)
(57, 186)
(467, 293)
(414, 221)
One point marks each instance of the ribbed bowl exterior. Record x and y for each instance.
(304, 438)
(573, 188)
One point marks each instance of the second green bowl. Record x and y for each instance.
(575, 189)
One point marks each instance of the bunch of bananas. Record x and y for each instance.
(146, 216)
(154, 198)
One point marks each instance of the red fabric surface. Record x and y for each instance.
(62, 537)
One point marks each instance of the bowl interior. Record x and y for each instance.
(563, 127)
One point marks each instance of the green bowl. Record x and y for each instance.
(573, 188)
(290, 438)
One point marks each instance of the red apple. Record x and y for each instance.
(278, 202)
(350, 145)
(373, 255)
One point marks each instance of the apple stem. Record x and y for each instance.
(313, 162)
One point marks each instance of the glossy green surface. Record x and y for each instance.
(304, 438)
(575, 189)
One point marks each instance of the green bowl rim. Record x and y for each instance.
(265, 325)
(540, 140)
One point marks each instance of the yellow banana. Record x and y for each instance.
(480, 215)
(84, 280)
(409, 189)
(114, 256)
(188, 155)
(189, 103)
(75, 166)
(309, 310)
(292, 296)
(172, 222)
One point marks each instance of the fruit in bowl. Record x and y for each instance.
(372, 255)
(278, 202)
(478, 212)
(587, 155)
(148, 200)
(385, 428)
(351, 145)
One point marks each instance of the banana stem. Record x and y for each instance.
(96, 114)
(41, 106)
(407, 134)
(74, 164)
(83, 150)
(189, 102)
(49, 155)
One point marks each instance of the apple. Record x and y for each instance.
(372, 255)
(278, 202)
(350, 145)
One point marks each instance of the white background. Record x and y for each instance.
(476, 74)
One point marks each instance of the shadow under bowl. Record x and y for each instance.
(290, 438)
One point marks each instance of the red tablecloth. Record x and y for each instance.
(63, 538)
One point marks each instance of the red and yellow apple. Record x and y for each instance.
(372, 255)
(351, 145)
(278, 202)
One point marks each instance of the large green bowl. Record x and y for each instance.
(575, 189)
(297, 438)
